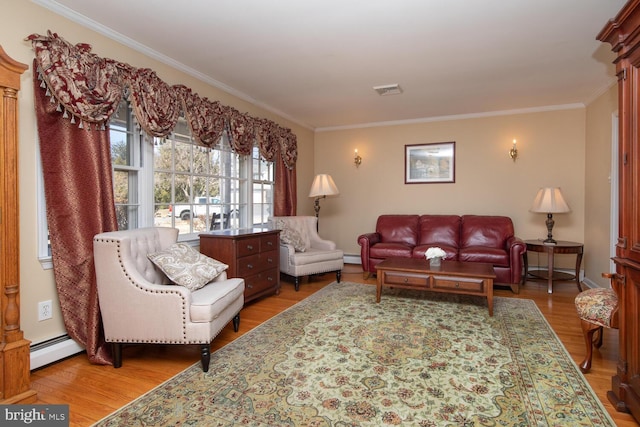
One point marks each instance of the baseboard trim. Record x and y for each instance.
(590, 284)
(352, 259)
(51, 351)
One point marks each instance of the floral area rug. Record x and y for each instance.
(416, 358)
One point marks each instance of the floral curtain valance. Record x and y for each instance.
(88, 89)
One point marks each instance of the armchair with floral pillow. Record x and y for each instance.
(303, 252)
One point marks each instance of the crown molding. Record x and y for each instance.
(455, 117)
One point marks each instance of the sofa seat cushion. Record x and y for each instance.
(497, 257)
(208, 302)
(314, 255)
(451, 251)
(388, 250)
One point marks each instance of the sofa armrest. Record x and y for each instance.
(286, 251)
(366, 241)
(516, 248)
(318, 242)
(220, 277)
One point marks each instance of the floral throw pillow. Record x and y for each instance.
(187, 267)
(291, 236)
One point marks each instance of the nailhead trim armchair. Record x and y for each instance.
(139, 305)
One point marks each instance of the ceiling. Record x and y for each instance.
(316, 62)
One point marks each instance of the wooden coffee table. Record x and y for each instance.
(453, 277)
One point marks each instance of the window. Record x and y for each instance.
(185, 185)
(198, 188)
(173, 182)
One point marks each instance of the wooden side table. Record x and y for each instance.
(561, 247)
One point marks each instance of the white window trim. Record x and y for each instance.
(41, 211)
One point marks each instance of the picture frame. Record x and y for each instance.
(430, 163)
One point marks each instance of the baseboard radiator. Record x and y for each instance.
(53, 350)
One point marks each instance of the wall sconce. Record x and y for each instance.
(513, 153)
(357, 159)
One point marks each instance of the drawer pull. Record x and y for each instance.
(269, 243)
(269, 260)
(249, 286)
(270, 279)
(249, 265)
(406, 280)
(457, 284)
(250, 247)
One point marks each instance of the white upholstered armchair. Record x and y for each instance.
(139, 304)
(302, 251)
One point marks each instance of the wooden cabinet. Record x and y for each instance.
(253, 254)
(623, 33)
(14, 349)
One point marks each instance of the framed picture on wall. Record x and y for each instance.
(430, 163)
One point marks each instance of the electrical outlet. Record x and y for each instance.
(44, 310)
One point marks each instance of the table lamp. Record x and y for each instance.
(549, 200)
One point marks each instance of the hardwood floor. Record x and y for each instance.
(93, 392)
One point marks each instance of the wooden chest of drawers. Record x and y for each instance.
(252, 254)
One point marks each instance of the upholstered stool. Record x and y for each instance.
(597, 308)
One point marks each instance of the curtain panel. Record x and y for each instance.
(88, 88)
(80, 91)
(76, 165)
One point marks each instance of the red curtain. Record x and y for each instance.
(285, 193)
(76, 165)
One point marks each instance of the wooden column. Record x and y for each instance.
(14, 349)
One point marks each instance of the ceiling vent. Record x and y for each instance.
(385, 90)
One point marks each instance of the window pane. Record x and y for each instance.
(200, 160)
(162, 216)
(182, 188)
(121, 187)
(162, 155)
(119, 149)
(182, 158)
(162, 189)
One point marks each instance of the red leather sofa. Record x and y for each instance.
(466, 238)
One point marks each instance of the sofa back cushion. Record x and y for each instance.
(439, 230)
(486, 231)
(398, 229)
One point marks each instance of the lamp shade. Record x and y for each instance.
(549, 200)
(323, 185)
